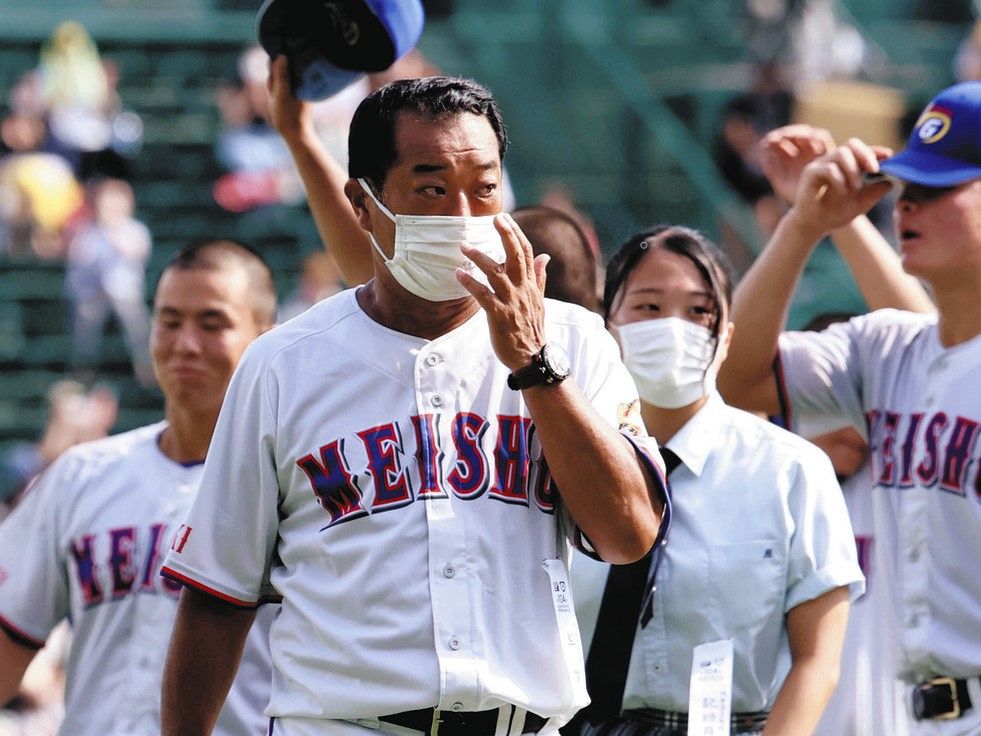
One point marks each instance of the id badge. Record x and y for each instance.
(565, 619)
(710, 693)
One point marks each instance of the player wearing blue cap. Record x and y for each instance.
(907, 381)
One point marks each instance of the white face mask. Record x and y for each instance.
(670, 359)
(427, 251)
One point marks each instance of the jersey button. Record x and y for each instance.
(449, 571)
(434, 359)
(914, 554)
(454, 643)
(436, 400)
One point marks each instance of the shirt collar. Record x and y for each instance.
(696, 439)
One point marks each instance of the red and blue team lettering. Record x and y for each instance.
(914, 449)
(514, 473)
(127, 574)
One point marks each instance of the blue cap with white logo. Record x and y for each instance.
(332, 43)
(944, 148)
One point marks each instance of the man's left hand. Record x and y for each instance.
(515, 303)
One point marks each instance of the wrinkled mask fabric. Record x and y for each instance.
(670, 359)
(428, 251)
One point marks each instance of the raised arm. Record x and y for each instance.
(322, 177)
(831, 194)
(205, 649)
(603, 483)
(873, 262)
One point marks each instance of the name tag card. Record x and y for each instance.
(710, 693)
(565, 618)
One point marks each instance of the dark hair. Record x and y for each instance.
(216, 255)
(371, 141)
(572, 270)
(711, 262)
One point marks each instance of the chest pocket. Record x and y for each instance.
(749, 581)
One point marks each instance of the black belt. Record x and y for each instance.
(941, 698)
(433, 722)
(658, 718)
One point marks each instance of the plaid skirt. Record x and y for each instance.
(653, 722)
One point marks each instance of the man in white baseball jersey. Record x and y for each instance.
(908, 382)
(88, 539)
(380, 463)
(869, 699)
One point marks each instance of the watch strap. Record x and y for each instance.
(530, 375)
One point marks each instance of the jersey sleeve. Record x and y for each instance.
(34, 591)
(226, 545)
(822, 553)
(819, 378)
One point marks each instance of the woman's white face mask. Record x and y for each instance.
(671, 360)
(428, 251)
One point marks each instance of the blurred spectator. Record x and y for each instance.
(260, 169)
(318, 280)
(735, 149)
(106, 265)
(115, 159)
(87, 122)
(74, 415)
(39, 194)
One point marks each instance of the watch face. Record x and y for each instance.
(556, 360)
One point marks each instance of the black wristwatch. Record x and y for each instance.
(549, 365)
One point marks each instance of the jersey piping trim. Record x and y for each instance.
(786, 411)
(19, 636)
(662, 489)
(168, 572)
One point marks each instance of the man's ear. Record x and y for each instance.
(358, 198)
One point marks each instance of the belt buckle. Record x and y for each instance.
(434, 728)
(952, 685)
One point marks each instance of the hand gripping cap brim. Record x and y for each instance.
(331, 43)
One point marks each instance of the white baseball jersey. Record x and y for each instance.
(86, 542)
(918, 404)
(758, 527)
(869, 698)
(392, 490)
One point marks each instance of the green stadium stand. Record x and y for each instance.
(618, 101)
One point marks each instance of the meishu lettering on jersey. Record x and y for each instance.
(450, 457)
(131, 557)
(925, 450)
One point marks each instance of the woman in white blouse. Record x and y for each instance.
(760, 549)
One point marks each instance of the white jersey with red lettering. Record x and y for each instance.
(919, 406)
(86, 543)
(392, 490)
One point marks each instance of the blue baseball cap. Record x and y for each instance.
(944, 148)
(332, 43)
